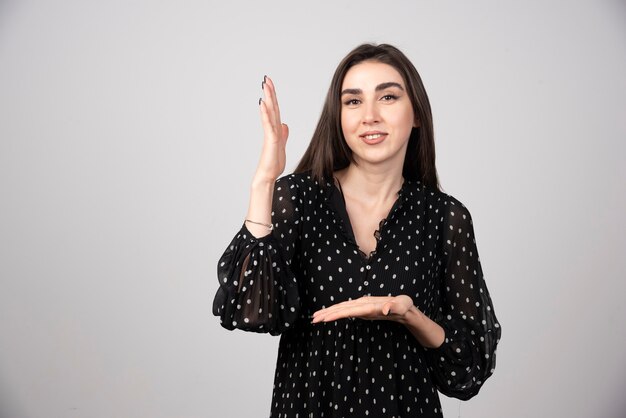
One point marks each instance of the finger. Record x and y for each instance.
(375, 307)
(397, 306)
(265, 119)
(338, 306)
(363, 300)
(348, 308)
(387, 308)
(285, 132)
(322, 313)
(270, 104)
(333, 315)
(272, 93)
(363, 311)
(323, 310)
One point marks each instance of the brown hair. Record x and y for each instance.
(328, 150)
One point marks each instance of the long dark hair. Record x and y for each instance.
(328, 150)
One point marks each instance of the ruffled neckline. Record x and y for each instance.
(336, 203)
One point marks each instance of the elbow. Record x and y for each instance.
(463, 390)
(462, 366)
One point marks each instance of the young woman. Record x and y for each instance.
(368, 270)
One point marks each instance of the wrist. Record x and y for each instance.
(262, 183)
(428, 333)
(412, 317)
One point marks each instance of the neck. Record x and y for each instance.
(374, 185)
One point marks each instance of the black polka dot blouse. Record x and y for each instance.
(352, 367)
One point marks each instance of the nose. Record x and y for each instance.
(370, 113)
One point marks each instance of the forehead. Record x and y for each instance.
(368, 74)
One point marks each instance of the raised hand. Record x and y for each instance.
(271, 164)
(275, 133)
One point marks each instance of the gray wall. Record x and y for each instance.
(129, 133)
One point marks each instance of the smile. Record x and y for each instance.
(373, 137)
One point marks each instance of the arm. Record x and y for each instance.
(467, 356)
(271, 163)
(388, 308)
(257, 290)
(461, 341)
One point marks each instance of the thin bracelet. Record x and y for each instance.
(268, 226)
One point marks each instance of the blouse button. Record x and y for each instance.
(366, 283)
(368, 267)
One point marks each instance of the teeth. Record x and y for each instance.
(373, 136)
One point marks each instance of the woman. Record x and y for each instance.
(368, 270)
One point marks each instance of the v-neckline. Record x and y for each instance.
(340, 205)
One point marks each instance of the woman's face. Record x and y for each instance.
(376, 114)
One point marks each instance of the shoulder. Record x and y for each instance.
(456, 217)
(451, 203)
(301, 183)
(415, 190)
(449, 209)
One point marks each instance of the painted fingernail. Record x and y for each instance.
(262, 84)
(260, 100)
(264, 78)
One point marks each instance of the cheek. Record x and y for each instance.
(347, 122)
(345, 118)
(404, 120)
(401, 122)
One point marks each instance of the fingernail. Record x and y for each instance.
(260, 100)
(264, 78)
(389, 312)
(262, 84)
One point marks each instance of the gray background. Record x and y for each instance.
(129, 134)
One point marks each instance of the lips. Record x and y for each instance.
(373, 137)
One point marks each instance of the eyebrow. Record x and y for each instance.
(379, 87)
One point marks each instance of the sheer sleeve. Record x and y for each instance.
(257, 290)
(468, 355)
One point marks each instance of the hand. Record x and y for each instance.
(391, 308)
(275, 133)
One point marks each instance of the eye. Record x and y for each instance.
(352, 102)
(388, 97)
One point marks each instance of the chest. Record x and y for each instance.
(405, 258)
(366, 223)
